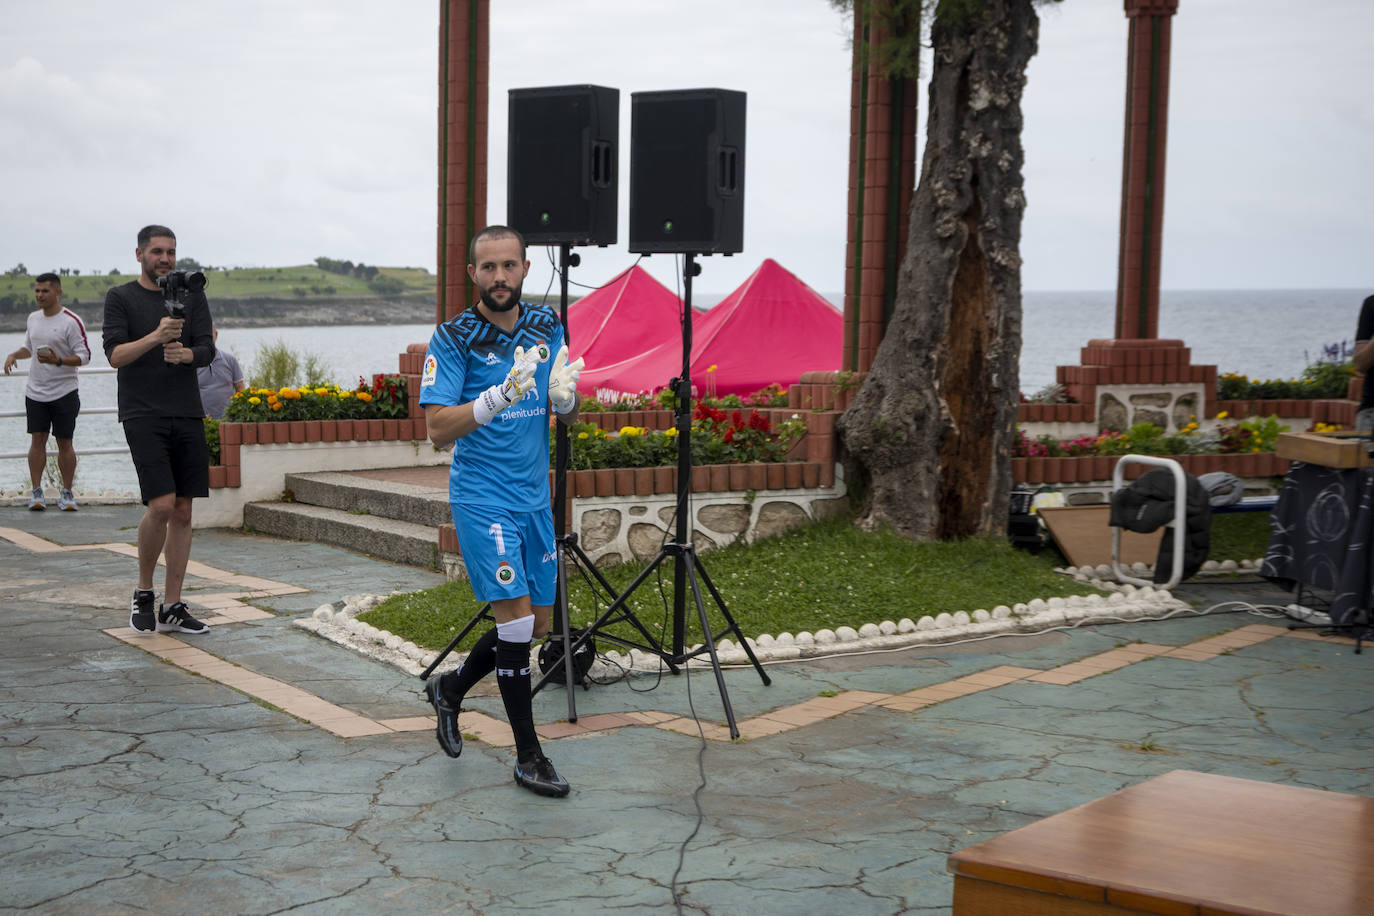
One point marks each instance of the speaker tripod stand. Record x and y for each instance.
(688, 573)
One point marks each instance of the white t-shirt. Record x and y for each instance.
(66, 334)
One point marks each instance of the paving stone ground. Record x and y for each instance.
(132, 783)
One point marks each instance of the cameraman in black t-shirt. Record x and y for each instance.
(157, 332)
(1364, 365)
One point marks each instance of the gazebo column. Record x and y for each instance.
(464, 56)
(1142, 168)
(882, 177)
(1137, 376)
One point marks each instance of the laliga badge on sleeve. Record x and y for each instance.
(431, 372)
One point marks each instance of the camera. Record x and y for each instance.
(175, 284)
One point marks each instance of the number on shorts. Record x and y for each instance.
(498, 537)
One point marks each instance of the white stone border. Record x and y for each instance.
(1126, 602)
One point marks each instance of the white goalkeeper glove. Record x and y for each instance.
(563, 382)
(519, 380)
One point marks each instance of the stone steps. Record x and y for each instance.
(384, 519)
(385, 498)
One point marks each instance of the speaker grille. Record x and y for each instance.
(687, 171)
(561, 164)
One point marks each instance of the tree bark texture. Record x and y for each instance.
(928, 436)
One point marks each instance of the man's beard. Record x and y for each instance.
(150, 271)
(495, 306)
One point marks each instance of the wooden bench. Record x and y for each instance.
(1181, 844)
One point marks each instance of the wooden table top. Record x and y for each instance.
(1190, 843)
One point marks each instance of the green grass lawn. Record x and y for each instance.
(241, 283)
(822, 576)
(1239, 536)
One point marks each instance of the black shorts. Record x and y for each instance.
(59, 415)
(169, 455)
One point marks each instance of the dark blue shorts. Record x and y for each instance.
(169, 455)
(59, 415)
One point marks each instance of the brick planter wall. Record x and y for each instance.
(1086, 470)
(233, 436)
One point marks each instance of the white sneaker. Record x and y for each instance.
(67, 503)
(36, 500)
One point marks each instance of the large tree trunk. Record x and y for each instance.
(929, 433)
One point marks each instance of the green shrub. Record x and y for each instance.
(278, 365)
(1328, 377)
(212, 440)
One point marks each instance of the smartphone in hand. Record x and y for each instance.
(46, 352)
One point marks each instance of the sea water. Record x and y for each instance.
(1261, 333)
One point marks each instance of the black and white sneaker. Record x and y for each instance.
(450, 738)
(175, 618)
(538, 775)
(142, 619)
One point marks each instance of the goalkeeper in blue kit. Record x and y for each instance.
(491, 376)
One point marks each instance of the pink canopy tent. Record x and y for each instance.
(772, 329)
(626, 316)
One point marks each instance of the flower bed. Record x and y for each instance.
(718, 437)
(384, 398)
(1254, 435)
(1328, 377)
(771, 396)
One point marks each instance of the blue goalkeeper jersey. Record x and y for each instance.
(506, 462)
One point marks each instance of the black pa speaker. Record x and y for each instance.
(687, 171)
(561, 164)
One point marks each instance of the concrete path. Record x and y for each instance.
(261, 769)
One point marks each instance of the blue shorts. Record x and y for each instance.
(507, 554)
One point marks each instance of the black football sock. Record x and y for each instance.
(480, 662)
(513, 677)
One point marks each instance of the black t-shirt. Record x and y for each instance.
(1366, 332)
(148, 386)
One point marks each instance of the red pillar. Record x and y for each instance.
(882, 177)
(464, 46)
(1142, 168)
(1136, 355)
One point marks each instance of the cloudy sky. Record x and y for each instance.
(269, 133)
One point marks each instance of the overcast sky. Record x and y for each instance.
(269, 133)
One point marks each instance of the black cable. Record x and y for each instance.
(548, 252)
(696, 795)
(572, 282)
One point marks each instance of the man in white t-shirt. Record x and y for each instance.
(56, 339)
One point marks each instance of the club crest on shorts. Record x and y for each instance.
(505, 573)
